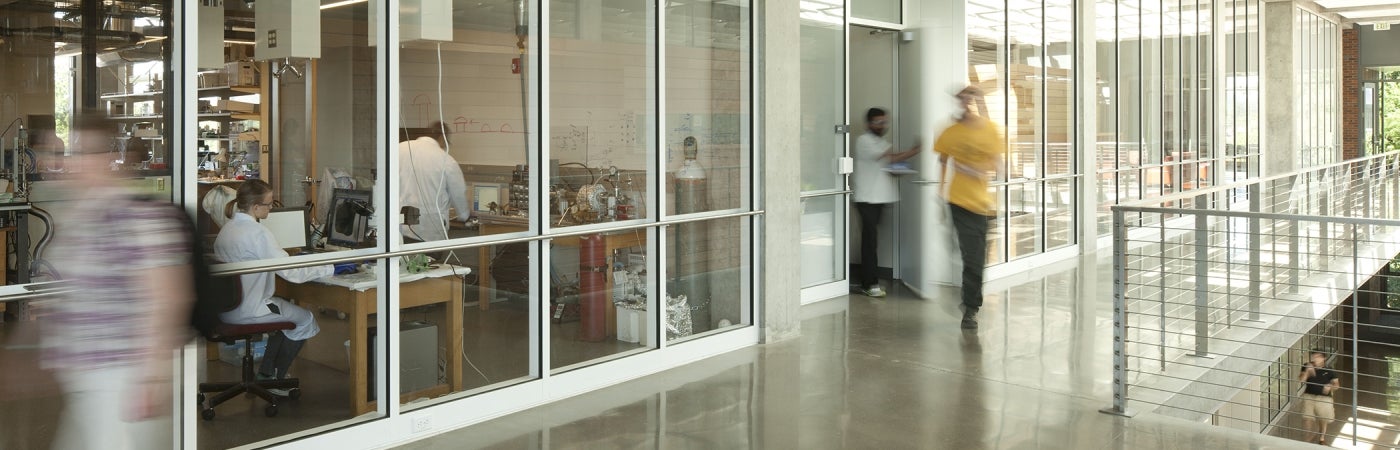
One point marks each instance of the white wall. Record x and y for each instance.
(941, 63)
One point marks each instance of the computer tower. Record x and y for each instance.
(418, 358)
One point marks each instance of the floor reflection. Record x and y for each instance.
(883, 373)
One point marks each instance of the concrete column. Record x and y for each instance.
(1280, 151)
(779, 129)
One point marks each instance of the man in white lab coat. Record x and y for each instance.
(431, 180)
(874, 188)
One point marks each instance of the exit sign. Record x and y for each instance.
(1381, 26)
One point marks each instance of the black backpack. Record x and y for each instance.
(212, 295)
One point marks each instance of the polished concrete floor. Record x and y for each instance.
(883, 373)
(866, 373)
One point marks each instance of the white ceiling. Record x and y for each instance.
(1363, 11)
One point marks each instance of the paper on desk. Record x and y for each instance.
(365, 281)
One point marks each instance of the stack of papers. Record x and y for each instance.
(900, 168)
(363, 281)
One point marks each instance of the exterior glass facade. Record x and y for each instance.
(1161, 127)
(1021, 55)
(1317, 61)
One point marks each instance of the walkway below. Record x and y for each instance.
(884, 373)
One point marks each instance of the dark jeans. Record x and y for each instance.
(972, 240)
(869, 242)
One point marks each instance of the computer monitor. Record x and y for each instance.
(483, 194)
(347, 219)
(291, 226)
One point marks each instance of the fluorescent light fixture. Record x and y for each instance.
(236, 41)
(342, 3)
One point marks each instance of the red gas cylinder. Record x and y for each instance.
(592, 286)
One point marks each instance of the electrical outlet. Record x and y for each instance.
(422, 423)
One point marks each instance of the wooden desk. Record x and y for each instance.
(359, 305)
(611, 242)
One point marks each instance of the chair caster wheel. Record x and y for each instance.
(199, 400)
(341, 315)
(207, 414)
(294, 393)
(270, 411)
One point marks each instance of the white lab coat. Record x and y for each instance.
(871, 183)
(244, 239)
(430, 180)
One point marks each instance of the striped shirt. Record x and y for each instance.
(104, 247)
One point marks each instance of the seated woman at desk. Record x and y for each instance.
(244, 239)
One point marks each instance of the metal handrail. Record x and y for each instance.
(1200, 297)
(219, 271)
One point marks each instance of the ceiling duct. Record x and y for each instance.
(73, 35)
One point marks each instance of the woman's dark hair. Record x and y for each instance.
(251, 193)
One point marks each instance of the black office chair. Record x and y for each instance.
(229, 333)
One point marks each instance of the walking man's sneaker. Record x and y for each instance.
(969, 320)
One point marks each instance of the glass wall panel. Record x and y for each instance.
(1253, 62)
(1059, 212)
(824, 249)
(1024, 219)
(712, 277)
(1108, 99)
(882, 10)
(299, 113)
(823, 75)
(466, 121)
(1178, 128)
(823, 236)
(470, 75)
(1021, 54)
(1169, 133)
(466, 325)
(601, 297)
(1025, 126)
(987, 56)
(300, 117)
(602, 110)
(54, 74)
(1130, 86)
(334, 366)
(1206, 95)
(1059, 88)
(707, 136)
(1316, 62)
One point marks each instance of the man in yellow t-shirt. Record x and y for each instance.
(974, 146)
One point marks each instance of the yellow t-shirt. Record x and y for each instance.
(977, 148)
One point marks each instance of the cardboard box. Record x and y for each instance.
(213, 79)
(235, 106)
(241, 73)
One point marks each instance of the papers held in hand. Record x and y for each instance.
(900, 168)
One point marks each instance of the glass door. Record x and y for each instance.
(824, 188)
